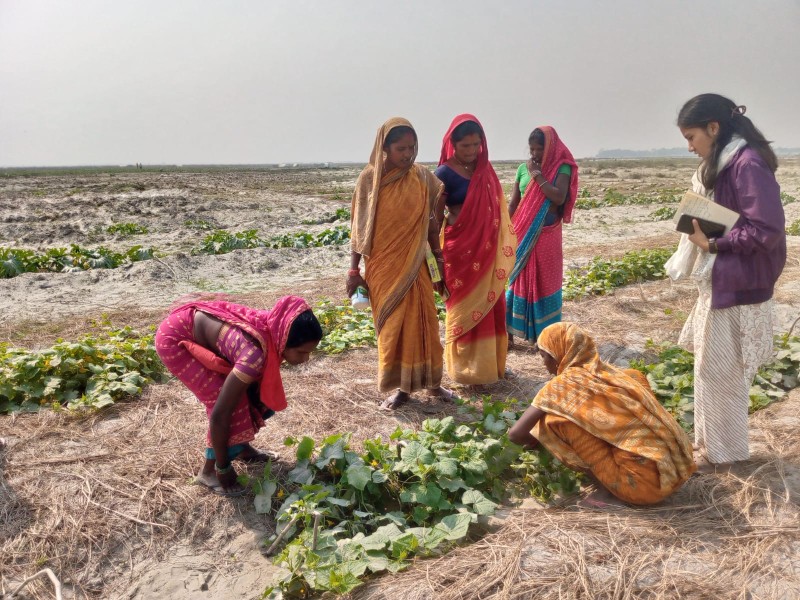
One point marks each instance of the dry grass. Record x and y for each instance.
(726, 535)
(91, 496)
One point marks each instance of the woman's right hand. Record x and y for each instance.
(354, 281)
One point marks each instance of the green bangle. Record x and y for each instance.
(223, 470)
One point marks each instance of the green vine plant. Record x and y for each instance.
(15, 261)
(91, 373)
(222, 242)
(602, 275)
(663, 213)
(340, 214)
(672, 377)
(348, 513)
(127, 229)
(793, 228)
(612, 197)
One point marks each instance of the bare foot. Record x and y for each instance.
(443, 393)
(395, 401)
(251, 455)
(212, 483)
(705, 466)
(600, 498)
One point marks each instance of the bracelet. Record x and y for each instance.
(541, 184)
(437, 252)
(223, 470)
(354, 272)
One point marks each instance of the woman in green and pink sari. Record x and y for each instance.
(542, 198)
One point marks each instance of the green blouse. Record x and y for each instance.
(524, 176)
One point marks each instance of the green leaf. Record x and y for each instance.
(359, 476)
(263, 501)
(454, 527)
(404, 545)
(305, 448)
(331, 452)
(447, 467)
(416, 453)
(480, 503)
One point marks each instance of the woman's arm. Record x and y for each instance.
(433, 242)
(557, 193)
(520, 432)
(762, 222)
(220, 422)
(354, 280)
(516, 196)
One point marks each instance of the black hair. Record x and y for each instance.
(305, 328)
(707, 108)
(536, 137)
(466, 128)
(396, 133)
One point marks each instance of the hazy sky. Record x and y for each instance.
(264, 81)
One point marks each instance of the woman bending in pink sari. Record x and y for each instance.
(229, 356)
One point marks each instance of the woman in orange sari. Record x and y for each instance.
(393, 223)
(478, 250)
(606, 421)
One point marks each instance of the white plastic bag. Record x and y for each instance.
(681, 264)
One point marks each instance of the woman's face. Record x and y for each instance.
(400, 155)
(300, 354)
(550, 363)
(466, 150)
(537, 152)
(701, 139)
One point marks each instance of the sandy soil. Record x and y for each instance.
(106, 500)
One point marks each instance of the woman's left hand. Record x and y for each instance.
(698, 238)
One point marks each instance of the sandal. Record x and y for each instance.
(217, 488)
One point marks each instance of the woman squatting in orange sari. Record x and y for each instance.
(478, 244)
(393, 223)
(603, 420)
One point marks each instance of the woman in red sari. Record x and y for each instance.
(543, 197)
(229, 357)
(478, 250)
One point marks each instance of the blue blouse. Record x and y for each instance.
(455, 185)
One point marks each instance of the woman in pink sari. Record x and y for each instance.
(478, 250)
(229, 356)
(543, 197)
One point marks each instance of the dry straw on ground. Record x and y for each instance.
(93, 496)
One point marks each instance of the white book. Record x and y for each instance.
(714, 220)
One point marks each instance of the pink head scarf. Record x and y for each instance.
(270, 328)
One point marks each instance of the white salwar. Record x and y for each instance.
(729, 345)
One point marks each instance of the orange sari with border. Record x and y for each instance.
(390, 217)
(608, 421)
